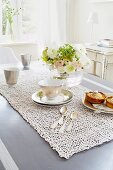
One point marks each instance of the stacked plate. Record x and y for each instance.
(107, 43)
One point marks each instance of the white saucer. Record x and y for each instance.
(64, 97)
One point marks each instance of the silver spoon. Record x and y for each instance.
(63, 110)
(73, 117)
(61, 130)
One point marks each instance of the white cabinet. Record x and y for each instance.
(102, 62)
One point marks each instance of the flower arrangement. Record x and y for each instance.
(67, 58)
(8, 15)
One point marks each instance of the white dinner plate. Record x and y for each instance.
(94, 107)
(64, 97)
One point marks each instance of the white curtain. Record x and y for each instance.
(52, 21)
(49, 21)
(71, 21)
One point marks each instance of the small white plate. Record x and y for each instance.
(94, 107)
(63, 98)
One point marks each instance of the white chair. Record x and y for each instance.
(7, 57)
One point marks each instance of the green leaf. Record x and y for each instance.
(40, 94)
(44, 55)
(70, 68)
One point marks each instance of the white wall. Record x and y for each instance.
(105, 27)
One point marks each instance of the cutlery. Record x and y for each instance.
(63, 111)
(99, 108)
(99, 111)
(64, 125)
(73, 117)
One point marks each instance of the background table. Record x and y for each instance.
(102, 61)
(31, 152)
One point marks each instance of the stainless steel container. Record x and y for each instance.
(26, 59)
(11, 75)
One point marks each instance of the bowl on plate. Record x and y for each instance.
(51, 88)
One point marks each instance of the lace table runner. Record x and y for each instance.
(89, 129)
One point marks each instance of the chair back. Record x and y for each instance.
(7, 57)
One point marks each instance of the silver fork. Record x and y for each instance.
(99, 110)
(61, 130)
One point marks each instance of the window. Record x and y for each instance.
(30, 19)
(45, 20)
(10, 17)
(19, 12)
(41, 20)
(5, 4)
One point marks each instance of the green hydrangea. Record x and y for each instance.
(66, 53)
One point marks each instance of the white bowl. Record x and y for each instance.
(51, 87)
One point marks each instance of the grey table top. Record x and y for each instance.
(31, 152)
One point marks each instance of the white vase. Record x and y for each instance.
(9, 30)
(74, 79)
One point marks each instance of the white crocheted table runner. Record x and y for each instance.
(88, 130)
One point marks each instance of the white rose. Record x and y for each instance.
(80, 50)
(85, 61)
(52, 53)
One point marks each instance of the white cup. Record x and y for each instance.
(51, 88)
